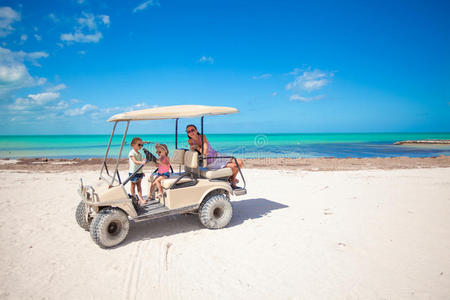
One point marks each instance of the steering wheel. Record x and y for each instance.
(149, 156)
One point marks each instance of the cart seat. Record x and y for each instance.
(177, 157)
(190, 161)
(216, 174)
(166, 183)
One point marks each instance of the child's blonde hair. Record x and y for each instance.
(164, 146)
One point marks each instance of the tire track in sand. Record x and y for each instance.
(133, 274)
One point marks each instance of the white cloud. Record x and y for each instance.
(81, 38)
(53, 18)
(81, 52)
(55, 88)
(80, 111)
(7, 17)
(61, 105)
(138, 106)
(105, 19)
(43, 98)
(274, 94)
(33, 101)
(80, 1)
(48, 105)
(13, 72)
(297, 97)
(34, 56)
(309, 80)
(295, 71)
(205, 59)
(23, 37)
(87, 20)
(87, 30)
(46, 116)
(37, 37)
(40, 81)
(146, 4)
(263, 76)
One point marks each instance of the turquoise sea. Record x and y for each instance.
(241, 145)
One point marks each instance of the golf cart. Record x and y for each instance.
(105, 210)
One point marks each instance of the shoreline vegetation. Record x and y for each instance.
(307, 164)
(434, 142)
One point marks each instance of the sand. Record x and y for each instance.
(366, 234)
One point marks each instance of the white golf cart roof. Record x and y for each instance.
(173, 112)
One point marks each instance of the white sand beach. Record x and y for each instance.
(367, 234)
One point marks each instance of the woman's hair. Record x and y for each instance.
(192, 125)
(135, 140)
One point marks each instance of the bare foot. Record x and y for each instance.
(233, 181)
(159, 197)
(233, 185)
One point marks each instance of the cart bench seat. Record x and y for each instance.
(166, 183)
(216, 174)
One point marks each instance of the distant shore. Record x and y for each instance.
(427, 142)
(307, 164)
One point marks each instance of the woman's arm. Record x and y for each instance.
(192, 145)
(205, 145)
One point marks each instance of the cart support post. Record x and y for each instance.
(120, 153)
(201, 122)
(107, 149)
(176, 133)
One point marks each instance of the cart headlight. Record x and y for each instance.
(80, 187)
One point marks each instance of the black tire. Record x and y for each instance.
(109, 227)
(216, 211)
(80, 215)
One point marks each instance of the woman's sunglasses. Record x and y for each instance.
(140, 145)
(189, 131)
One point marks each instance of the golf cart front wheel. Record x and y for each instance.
(109, 227)
(215, 212)
(81, 216)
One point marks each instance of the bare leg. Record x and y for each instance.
(235, 170)
(132, 189)
(149, 196)
(158, 182)
(152, 187)
(139, 188)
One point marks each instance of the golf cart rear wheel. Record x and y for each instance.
(109, 227)
(215, 212)
(81, 216)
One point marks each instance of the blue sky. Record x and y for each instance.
(288, 66)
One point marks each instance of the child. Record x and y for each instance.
(163, 168)
(136, 160)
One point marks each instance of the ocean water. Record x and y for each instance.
(241, 145)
